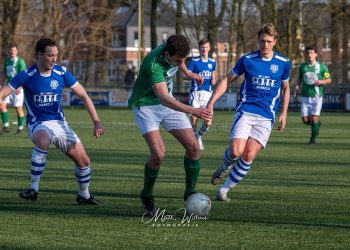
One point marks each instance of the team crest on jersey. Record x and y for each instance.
(54, 84)
(210, 66)
(274, 68)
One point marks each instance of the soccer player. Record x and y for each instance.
(266, 79)
(153, 105)
(312, 76)
(12, 66)
(43, 84)
(200, 93)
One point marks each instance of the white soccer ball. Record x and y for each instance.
(198, 204)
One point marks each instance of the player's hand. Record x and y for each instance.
(317, 83)
(18, 91)
(203, 113)
(98, 129)
(296, 90)
(283, 122)
(198, 78)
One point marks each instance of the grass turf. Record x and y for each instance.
(296, 196)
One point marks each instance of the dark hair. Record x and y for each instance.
(13, 45)
(203, 41)
(268, 29)
(41, 45)
(310, 48)
(178, 45)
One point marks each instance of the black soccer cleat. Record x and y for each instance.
(89, 201)
(148, 204)
(29, 194)
(312, 141)
(19, 131)
(188, 194)
(5, 130)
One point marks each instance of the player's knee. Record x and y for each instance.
(192, 149)
(158, 157)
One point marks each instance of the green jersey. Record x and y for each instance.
(308, 74)
(154, 69)
(13, 66)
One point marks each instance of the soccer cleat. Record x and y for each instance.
(19, 131)
(5, 130)
(201, 146)
(29, 194)
(89, 201)
(221, 195)
(188, 194)
(148, 204)
(312, 141)
(220, 173)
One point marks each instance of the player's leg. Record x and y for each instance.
(239, 134)
(191, 159)
(5, 116)
(258, 135)
(18, 104)
(82, 170)
(204, 97)
(240, 169)
(305, 110)
(41, 139)
(148, 120)
(179, 126)
(315, 123)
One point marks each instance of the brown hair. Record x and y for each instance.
(268, 29)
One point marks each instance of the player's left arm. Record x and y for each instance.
(285, 102)
(190, 74)
(80, 91)
(326, 79)
(213, 78)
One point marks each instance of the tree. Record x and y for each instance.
(214, 21)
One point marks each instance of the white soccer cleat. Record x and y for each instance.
(220, 173)
(201, 146)
(221, 195)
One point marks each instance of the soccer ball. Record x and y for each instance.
(198, 204)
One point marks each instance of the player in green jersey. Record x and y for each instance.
(313, 75)
(153, 105)
(12, 66)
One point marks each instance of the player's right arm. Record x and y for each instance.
(221, 89)
(161, 90)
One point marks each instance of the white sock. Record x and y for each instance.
(237, 174)
(83, 178)
(37, 167)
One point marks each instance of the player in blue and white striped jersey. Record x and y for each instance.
(266, 80)
(43, 84)
(200, 92)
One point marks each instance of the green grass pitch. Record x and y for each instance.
(295, 196)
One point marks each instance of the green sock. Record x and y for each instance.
(315, 129)
(5, 118)
(149, 180)
(20, 120)
(192, 168)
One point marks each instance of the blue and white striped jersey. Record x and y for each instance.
(43, 92)
(205, 69)
(261, 89)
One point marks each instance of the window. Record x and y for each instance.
(164, 36)
(136, 39)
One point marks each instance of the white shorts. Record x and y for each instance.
(247, 125)
(15, 100)
(61, 135)
(311, 106)
(199, 99)
(149, 118)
